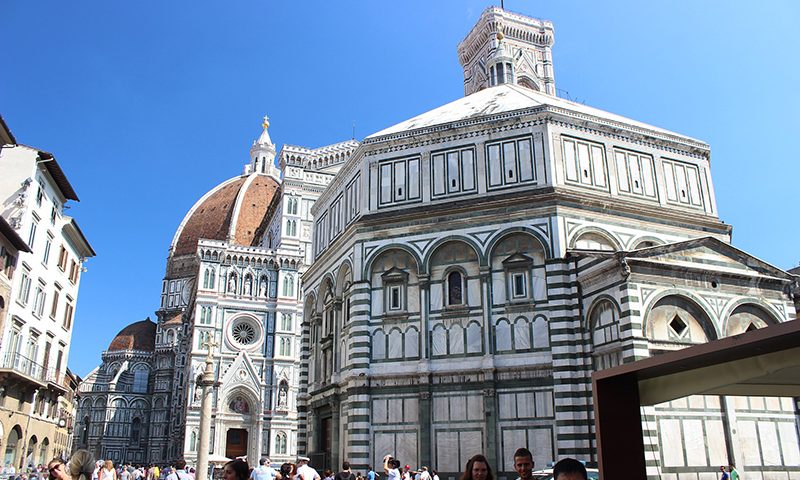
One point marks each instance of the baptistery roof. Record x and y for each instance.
(231, 211)
(136, 336)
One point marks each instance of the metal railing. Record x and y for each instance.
(27, 367)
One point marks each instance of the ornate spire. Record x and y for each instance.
(262, 153)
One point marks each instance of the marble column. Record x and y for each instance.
(207, 383)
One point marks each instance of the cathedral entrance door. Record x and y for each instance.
(236, 443)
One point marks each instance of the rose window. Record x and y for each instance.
(244, 333)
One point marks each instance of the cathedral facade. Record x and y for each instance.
(447, 287)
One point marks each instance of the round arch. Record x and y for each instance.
(500, 236)
(709, 324)
(392, 246)
(605, 234)
(431, 250)
(246, 393)
(328, 283)
(588, 326)
(636, 244)
(343, 274)
(752, 310)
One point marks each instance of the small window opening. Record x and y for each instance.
(678, 325)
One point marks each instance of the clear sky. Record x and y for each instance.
(147, 105)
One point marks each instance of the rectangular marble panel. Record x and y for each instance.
(458, 408)
(411, 413)
(406, 448)
(413, 298)
(544, 404)
(786, 404)
(539, 284)
(379, 411)
(541, 439)
(383, 444)
(440, 409)
(526, 406)
(507, 404)
(695, 441)
(770, 449)
(447, 451)
(715, 436)
(471, 443)
(395, 407)
(499, 287)
(512, 440)
(757, 403)
(474, 296)
(748, 440)
(436, 296)
(671, 442)
(474, 407)
(789, 443)
(740, 403)
(712, 401)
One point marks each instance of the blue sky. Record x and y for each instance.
(147, 105)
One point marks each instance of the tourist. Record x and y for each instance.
(523, 463)
(734, 473)
(124, 473)
(569, 469)
(372, 474)
(107, 472)
(56, 470)
(346, 474)
(264, 471)
(236, 470)
(81, 465)
(477, 468)
(288, 471)
(724, 475)
(391, 468)
(424, 474)
(327, 474)
(359, 476)
(179, 472)
(305, 471)
(435, 475)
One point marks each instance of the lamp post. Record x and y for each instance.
(207, 383)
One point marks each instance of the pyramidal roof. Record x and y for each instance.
(508, 98)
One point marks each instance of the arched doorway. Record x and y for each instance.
(236, 443)
(11, 446)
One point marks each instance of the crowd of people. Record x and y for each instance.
(83, 466)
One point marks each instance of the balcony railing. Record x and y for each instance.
(24, 366)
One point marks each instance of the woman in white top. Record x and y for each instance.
(107, 472)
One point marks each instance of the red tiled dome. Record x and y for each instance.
(136, 336)
(212, 217)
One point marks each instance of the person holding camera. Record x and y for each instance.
(391, 466)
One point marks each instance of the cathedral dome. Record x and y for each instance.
(231, 211)
(136, 336)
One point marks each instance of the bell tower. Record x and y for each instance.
(506, 47)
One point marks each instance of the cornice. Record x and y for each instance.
(545, 114)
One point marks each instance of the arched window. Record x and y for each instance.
(280, 443)
(455, 288)
(288, 286)
(136, 430)
(378, 345)
(502, 336)
(208, 278)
